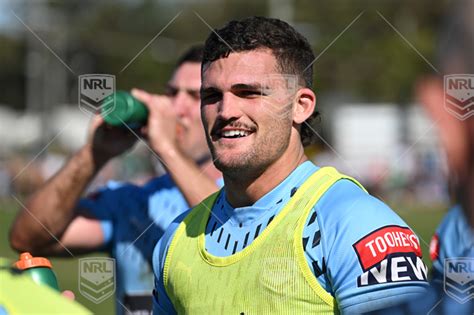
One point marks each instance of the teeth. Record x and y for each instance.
(234, 133)
(229, 133)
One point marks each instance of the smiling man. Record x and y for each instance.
(283, 235)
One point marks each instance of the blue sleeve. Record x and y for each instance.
(161, 302)
(453, 238)
(372, 259)
(102, 202)
(102, 205)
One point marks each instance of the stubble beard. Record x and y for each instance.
(255, 161)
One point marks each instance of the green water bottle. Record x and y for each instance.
(126, 109)
(39, 269)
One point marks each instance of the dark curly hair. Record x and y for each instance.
(291, 50)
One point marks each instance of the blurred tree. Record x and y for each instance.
(12, 80)
(369, 62)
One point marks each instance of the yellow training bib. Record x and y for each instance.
(270, 276)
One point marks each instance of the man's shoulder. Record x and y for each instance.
(453, 219)
(170, 231)
(154, 186)
(161, 247)
(455, 236)
(117, 187)
(159, 192)
(361, 240)
(347, 214)
(345, 199)
(159, 182)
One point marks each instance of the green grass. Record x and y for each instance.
(423, 220)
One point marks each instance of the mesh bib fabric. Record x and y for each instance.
(269, 276)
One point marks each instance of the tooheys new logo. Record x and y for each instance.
(390, 254)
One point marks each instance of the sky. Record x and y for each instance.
(9, 25)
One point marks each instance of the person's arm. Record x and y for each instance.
(371, 259)
(191, 181)
(49, 222)
(161, 132)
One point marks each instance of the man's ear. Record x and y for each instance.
(305, 102)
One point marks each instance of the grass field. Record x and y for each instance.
(422, 219)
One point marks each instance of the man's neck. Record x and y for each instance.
(245, 191)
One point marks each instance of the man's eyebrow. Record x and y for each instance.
(237, 86)
(247, 86)
(208, 89)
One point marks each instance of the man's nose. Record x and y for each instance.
(182, 104)
(228, 107)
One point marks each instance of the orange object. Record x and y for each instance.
(27, 261)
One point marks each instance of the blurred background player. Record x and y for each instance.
(454, 237)
(283, 235)
(123, 219)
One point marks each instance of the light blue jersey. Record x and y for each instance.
(359, 250)
(451, 250)
(133, 218)
(452, 246)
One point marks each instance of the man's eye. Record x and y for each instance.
(171, 92)
(194, 94)
(210, 97)
(249, 93)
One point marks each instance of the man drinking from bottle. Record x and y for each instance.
(123, 219)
